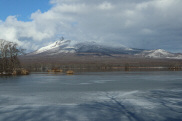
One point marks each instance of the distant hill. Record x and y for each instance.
(160, 54)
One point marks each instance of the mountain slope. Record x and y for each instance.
(60, 46)
(66, 46)
(159, 53)
(91, 48)
(103, 49)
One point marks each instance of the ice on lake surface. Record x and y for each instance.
(92, 96)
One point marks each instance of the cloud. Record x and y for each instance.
(134, 23)
(105, 6)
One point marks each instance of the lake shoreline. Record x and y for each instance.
(111, 69)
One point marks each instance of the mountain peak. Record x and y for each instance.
(59, 44)
(158, 53)
(160, 50)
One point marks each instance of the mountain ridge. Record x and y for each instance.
(62, 46)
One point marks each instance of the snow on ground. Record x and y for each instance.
(158, 105)
(107, 96)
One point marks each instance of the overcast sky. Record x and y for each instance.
(146, 24)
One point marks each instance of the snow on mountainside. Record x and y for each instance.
(66, 46)
(84, 48)
(159, 53)
(92, 47)
(60, 46)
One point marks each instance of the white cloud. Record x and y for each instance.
(132, 22)
(106, 6)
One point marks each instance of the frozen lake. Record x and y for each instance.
(92, 96)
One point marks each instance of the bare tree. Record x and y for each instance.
(9, 52)
(3, 54)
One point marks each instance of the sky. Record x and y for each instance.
(145, 24)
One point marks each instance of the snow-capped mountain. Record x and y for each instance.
(159, 53)
(92, 48)
(66, 46)
(60, 46)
